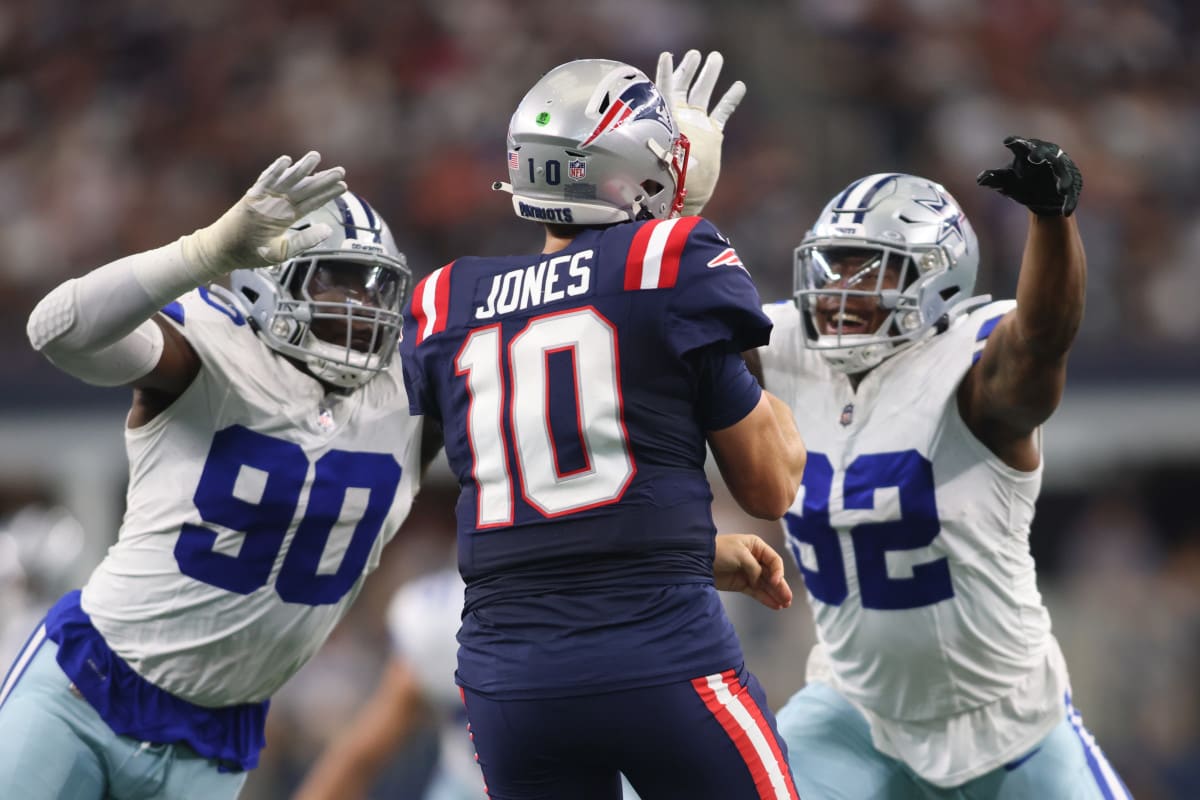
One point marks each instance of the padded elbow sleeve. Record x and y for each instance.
(90, 329)
(122, 362)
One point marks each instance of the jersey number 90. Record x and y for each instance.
(265, 523)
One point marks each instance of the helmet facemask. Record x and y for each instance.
(890, 261)
(338, 307)
(860, 304)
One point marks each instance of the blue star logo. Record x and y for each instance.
(951, 221)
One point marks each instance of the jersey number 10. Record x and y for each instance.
(590, 340)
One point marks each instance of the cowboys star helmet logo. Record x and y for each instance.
(951, 217)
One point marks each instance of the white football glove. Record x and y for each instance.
(689, 105)
(254, 233)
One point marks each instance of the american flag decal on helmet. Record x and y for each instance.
(514, 161)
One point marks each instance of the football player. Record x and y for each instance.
(578, 387)
(935, 674)
(271, 456)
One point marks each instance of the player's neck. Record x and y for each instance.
(556, 241)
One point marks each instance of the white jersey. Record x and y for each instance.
(257, 504)
(423, 619)
(913, 539)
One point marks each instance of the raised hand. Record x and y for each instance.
(256, 231)
(689, 94)
(1041, 177)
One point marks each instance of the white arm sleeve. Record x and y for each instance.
(99, 328)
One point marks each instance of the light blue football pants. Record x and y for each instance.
(54, 746)
(832, 758)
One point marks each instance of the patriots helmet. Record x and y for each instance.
(336, 308)
(593, 143)
(891, 258)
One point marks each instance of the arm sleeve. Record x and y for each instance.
(98, 327)
(727, 390)
(714, 302)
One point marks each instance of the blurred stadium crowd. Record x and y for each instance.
(126, 123)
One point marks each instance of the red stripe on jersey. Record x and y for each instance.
(431, 303)
(741, 738)
(637, 255)
(669, 270)
(442, 299)
(415, 308)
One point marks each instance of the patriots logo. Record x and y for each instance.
(639, 101)
(727, 258)
(951, 221)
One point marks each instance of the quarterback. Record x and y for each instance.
(936, 674)
(578, 387)
(271, 456)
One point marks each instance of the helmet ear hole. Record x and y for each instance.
(652, 187)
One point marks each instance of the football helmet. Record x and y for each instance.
(891, 247)
(592, 143)
(337, 307)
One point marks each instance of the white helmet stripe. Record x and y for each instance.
(360, 222)
(859, 197)
(348, 224)
(368, 214)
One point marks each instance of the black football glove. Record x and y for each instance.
(1041, 177)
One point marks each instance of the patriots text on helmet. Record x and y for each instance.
(546, 214)
(545, 282)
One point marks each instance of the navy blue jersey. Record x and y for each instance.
(575, 390)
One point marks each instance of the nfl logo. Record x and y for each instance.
(325, 419)
(576, 169)
(847, 415)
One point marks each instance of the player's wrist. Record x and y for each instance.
(217, 249)
(703, 168)
(169, 271)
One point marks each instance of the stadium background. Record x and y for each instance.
(126, 123)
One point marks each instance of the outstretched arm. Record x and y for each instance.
(351, 765)
(1019, 380)
(99, 327)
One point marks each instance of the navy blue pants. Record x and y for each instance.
(710, 737)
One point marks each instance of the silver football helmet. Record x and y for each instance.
(336, 308)
(594, 142)
(890, 258)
